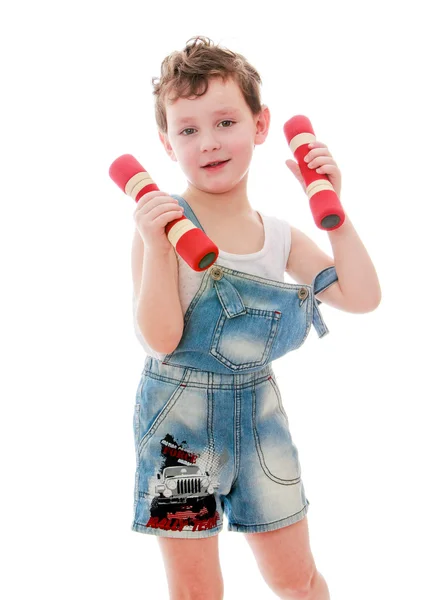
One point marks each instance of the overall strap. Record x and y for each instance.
(188, 212)
(324, 279)
(321, 282)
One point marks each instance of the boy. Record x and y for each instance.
(208, 404)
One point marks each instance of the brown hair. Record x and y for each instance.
(187, 72)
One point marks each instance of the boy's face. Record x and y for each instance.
(208, 137)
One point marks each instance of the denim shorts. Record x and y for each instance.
(209, 444)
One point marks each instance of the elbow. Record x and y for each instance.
(375, 302)
(365, 307)
(163, 345)
(162, 337)
(365, 302)
(166, 347)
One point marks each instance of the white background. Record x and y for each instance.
(363, 402)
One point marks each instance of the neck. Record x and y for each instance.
(225, 204)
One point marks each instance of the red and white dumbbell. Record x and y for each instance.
(325, 205)
(190, 242)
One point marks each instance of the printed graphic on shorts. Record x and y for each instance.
(184, 488)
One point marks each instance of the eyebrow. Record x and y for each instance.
(221, 111)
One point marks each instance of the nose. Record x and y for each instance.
(209, 142)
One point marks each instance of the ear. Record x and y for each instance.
(262, 124)
(165, 141)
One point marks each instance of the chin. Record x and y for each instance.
(219, 188)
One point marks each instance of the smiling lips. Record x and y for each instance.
(220, 164)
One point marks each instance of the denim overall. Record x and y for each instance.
(211, 433)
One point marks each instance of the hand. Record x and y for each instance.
(154, 211)
(320, 159)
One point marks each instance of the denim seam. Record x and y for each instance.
(198, 534)
(195, 300)
(139, 393)
(173, 399)
(325, 287)
(264, 280)
(192, 306)
(217, 386)
(137, 458)
(309, 317)
(267, 350)
(319, 316)
(137, 423)
(278, 395)
(226, 310)
(261, 454)
(217, 331)
(221, 299)
(210, 432)
(279, 284)
(271, 522)
(237, 434)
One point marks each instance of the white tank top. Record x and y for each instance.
(270, 262)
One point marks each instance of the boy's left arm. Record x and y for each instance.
(357, 289)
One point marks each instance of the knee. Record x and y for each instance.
(300, 589)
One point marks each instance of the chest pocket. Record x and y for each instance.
(243, 335)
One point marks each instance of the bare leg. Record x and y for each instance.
(286, 562)
(319, 589)
(192, 568)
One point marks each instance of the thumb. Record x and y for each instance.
(294, 168)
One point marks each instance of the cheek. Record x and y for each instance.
(243, 148)
(185, 154)
(243, 141)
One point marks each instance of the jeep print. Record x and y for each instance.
(183, 493)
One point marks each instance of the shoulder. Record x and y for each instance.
(279, 229)
(275, 223)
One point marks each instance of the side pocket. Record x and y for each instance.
(277, 453)
(278, 395)
(137, 407)
(158, 399)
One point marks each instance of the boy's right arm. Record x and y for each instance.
(155, 277)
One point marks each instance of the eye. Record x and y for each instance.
(226, 121)
(192, 129)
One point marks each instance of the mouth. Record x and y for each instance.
(216, 167)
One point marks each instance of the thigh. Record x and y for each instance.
(284, 556)
(192, 567)
(176, 485)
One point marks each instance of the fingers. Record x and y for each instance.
(172, 210)
(150, 196)
(152, 200)
(317, 144)
(328, 169)
(320, 161)
(320, 156)
(154, 211)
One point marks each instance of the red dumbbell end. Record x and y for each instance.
(131, 176)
